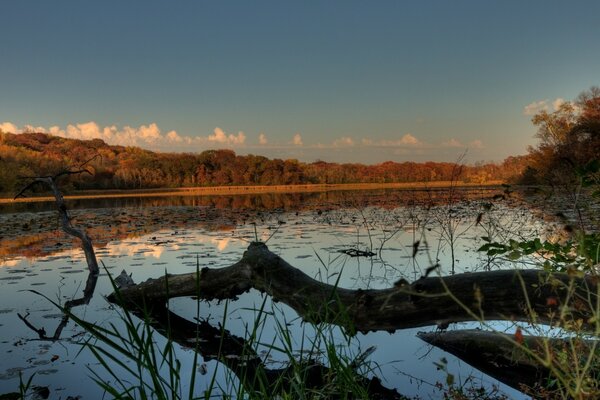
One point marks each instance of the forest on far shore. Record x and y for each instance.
(569, 144)
(119, 167)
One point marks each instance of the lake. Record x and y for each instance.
(148, 237)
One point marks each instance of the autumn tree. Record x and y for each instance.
(569, 138)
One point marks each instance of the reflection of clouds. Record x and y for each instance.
(221, 244)
(11, 263)
(146, 246)
(131, 248)
(63, 254)
(265, 236)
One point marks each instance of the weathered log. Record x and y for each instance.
(521, 362)
(524, 295)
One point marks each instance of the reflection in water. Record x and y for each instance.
(150, 236)
(262, 201)
(88, 292)
(32, 229)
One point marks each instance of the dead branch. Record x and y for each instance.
(86, 242)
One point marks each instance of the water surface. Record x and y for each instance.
(148, 237)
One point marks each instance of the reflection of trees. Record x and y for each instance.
(116, 219)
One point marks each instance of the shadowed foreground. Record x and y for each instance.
(515, 295)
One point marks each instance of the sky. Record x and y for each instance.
(339, 81)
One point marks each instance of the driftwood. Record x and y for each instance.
(523, 295)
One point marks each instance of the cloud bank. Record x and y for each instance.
(151, 137)
(147, 136)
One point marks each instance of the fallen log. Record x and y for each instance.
(524, 295)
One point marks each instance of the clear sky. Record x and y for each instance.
(344, 81)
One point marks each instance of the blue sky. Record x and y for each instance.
(345, 81)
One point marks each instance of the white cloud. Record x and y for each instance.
(406, 140)
(31, 128)
(149, 133)
(535, 107)
(543, 105)
(262, 139)
(409, 139)
(297, 141)
(219, 136)
(557, 103)
(453, 143)
(8, 127)
(343, 142)
(476, 144)
(174, 137)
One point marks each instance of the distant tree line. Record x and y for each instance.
(119, 167)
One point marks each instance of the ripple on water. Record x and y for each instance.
(12, 373)
(50, 371)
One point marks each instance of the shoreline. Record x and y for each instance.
(258, 189)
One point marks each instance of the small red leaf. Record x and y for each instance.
(551, 301)
(519, 336)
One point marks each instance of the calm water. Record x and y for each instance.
(150, 236)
